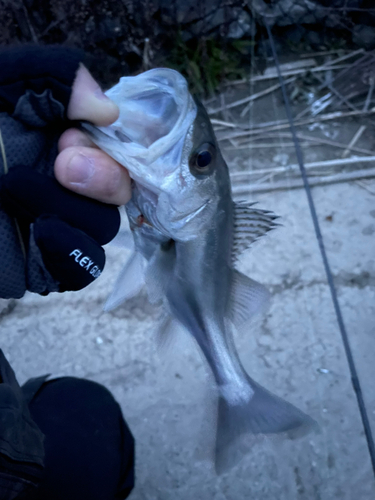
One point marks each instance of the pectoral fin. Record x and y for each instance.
(123, 239)
(248, 298)
(159, 271)
(129, 282)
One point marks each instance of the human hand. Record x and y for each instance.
(51, 237)
(81, 166)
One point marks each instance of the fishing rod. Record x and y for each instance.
(344, 335)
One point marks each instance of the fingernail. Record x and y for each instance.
(80, 169)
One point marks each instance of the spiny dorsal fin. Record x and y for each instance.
(249, 225)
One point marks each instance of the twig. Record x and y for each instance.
(369, 95)
(259, 78)
(335, 144)
(341, 97)
(362, 185)
(342, 58)
(320, 104)
(268, 145)
(318, 54)
(283, 124)
(208, 101)
(27, 17)
(249, 98)
(228, 118)
(50, 26)
(246, 109)
(299, 64)
(145, 57)
(214, 121)
(263, 179)
(352, 143)
(224, 108)
(241, 176)
(328, 142)
(243, 189)
(328, 77)
(302, 113)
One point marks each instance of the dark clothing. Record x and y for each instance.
(63, 439)
(50, 238)
(89, 450)
(21, 441)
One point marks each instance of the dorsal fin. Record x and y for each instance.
(250, 224)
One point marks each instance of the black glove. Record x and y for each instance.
(50, 238)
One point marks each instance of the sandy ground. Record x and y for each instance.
(294, 349)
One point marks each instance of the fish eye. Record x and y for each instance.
(203, 158)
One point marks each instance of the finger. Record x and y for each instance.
(88, 102)
(74, 137)
(93, 173)
(27, 195)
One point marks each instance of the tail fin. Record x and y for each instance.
(264, 413)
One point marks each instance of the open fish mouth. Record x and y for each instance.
(106, 139)
(94, 132)
(156, 111)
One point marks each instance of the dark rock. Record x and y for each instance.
(315, 39)
(243, 25)
(295, 34)
(289, 12)
(364, 36)
(265, 49)
(107, 29)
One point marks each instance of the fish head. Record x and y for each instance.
(165, 139)
(191, 197)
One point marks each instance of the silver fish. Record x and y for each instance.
(190, 233)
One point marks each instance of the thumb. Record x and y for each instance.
(87, 101)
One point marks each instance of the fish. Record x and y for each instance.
(188, 234)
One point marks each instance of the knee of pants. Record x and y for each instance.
(88, 446)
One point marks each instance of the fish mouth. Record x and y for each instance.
(93, 132)
(181, 220)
